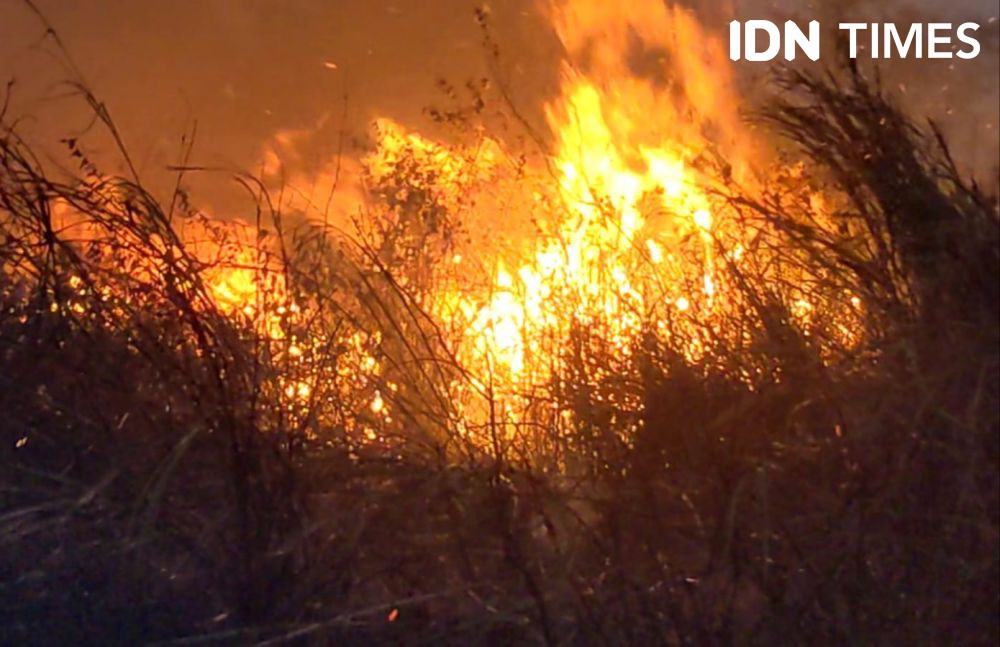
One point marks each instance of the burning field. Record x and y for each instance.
(679, 365)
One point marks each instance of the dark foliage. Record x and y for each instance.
(146, 496)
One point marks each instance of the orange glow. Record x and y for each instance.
(616, 238)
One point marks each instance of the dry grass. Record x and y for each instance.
(155, 489)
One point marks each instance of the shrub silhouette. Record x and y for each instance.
(155, 488)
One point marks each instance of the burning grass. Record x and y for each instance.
(700, 396)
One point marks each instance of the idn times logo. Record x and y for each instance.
(884, 40)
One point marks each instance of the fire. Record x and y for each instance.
(627, 242)
(625, 148)
(523, 274)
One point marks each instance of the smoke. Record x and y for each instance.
(248, 71)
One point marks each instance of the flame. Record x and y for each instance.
(625, 146)
(627, 240)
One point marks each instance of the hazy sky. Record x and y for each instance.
(246, 69)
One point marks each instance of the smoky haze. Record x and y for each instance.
(247, 70)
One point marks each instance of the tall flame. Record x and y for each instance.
(628, 130)
(626, 241)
